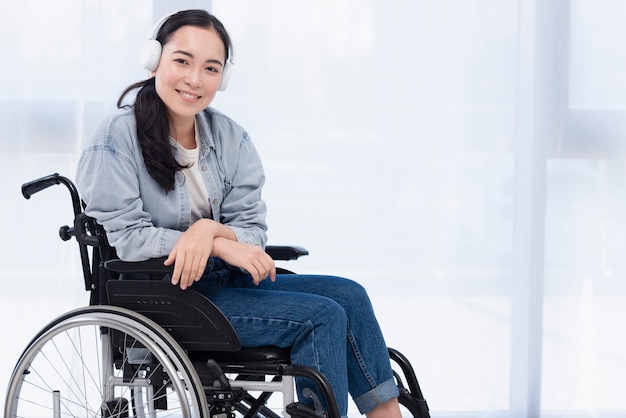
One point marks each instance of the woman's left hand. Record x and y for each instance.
(251, 258)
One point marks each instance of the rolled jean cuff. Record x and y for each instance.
(377, 396)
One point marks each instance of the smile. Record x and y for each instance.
(188, 95)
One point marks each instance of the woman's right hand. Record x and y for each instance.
(191, 253)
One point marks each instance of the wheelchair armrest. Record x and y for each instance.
(285, 252)
(155, 265)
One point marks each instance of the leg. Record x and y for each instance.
(370, 378)
(295, 317)
(389, 409)
(315, 326)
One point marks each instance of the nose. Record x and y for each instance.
(193, 78)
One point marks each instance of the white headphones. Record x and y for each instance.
(151, 53)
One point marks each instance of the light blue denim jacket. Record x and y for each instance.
(143, 221)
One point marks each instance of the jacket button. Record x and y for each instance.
(204, 168)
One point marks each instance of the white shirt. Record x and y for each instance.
(198, 194)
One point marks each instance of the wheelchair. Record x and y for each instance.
(145, 348)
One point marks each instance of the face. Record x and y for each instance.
(189, 72)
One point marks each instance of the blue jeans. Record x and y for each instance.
(328, 321)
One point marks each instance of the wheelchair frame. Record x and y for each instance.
(148, 349)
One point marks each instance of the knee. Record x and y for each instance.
(350, 293)
(333, 324)
(329, 318)
(358, 291)
(331, 312)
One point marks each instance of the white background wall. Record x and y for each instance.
(464, 160)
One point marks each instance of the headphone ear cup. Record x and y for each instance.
(151, 54)
(228, 71)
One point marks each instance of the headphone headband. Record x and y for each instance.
(151, 52)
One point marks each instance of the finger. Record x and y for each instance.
(255, 278)
(255, 273)
(184, 277)
(202, 267)
(170, 259)
(272, 269)
(178, 269)
(269, 269)
(193, 271)
(263, 269)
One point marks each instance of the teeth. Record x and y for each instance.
(188, 95)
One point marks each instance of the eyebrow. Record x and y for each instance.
(190, 55)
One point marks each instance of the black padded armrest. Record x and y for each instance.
(285, 252)
(155, 265)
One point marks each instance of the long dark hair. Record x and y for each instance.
(150, 111)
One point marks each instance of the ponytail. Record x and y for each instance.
(153, 133)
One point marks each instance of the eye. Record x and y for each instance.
(212, 69)
(181, 61)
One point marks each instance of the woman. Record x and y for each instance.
(170, 176)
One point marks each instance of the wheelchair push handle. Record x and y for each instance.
(79, 230)
(42, 183)
(35, 186)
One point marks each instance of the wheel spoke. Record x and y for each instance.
(72, 369)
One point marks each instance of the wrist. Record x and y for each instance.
(220, 247)
(208, 227)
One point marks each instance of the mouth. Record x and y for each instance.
(188, 96)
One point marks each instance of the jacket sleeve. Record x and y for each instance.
(108, 180)
(243, 208)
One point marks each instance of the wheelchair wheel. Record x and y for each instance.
(104, 361)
